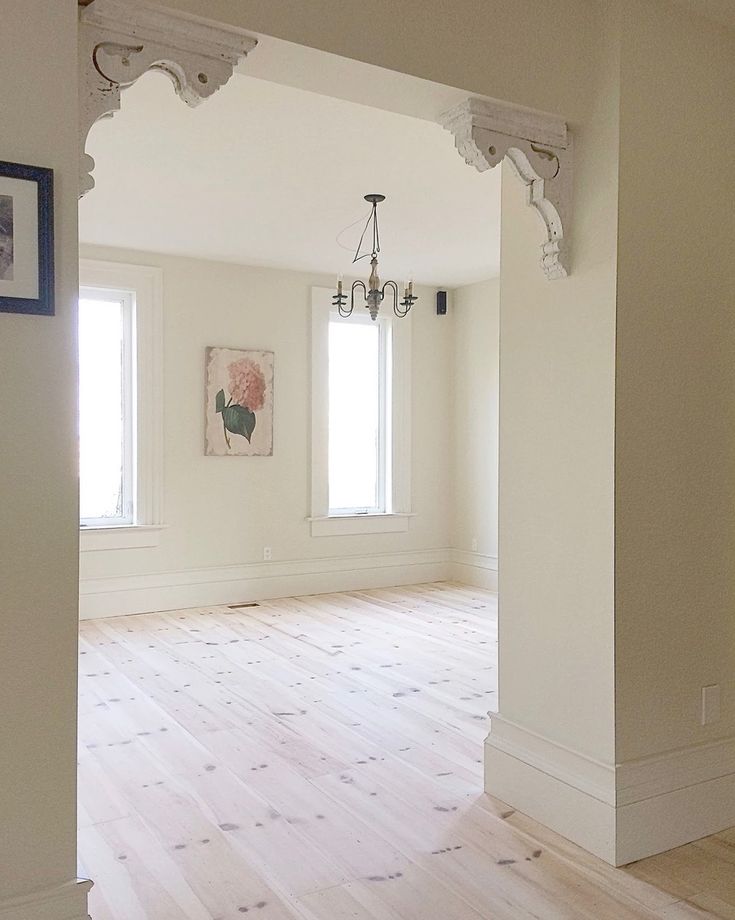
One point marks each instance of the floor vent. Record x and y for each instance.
(239, 606)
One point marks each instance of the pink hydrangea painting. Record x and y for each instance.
(239, 412)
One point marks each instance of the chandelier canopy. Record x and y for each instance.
(373, 293)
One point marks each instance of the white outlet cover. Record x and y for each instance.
(710, 704)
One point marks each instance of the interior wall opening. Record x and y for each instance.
(255, 581)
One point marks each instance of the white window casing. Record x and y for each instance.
(144, 286)
(396, 476)
(125, 301)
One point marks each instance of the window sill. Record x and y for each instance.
(120, 536)
(342, 525)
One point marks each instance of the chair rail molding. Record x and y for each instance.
(120, 40)
(540, 149)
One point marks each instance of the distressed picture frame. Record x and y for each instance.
(238, 402)
(26, 239)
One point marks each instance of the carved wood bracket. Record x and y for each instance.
(540, 149)
(119, 40)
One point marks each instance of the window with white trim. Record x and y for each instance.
(360, 421)
(106, 408)
(359, 430)
(120, 394)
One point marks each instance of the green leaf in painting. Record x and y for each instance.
(239, 420)
(219, 401)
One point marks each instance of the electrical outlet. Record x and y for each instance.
(474, 544)
(710, 704)
(267, 554)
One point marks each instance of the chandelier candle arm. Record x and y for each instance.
(409, 299)
(340, 299)
(394, 287)
(356, 284)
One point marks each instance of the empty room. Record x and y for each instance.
(288, 497)
(367, 460)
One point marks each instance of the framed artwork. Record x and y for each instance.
(239, 403)
(26, 239)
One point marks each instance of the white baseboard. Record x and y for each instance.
(65, 902)
(674, 798)
(620, 812)
(475, 569)
(567, 791)
(127, 594)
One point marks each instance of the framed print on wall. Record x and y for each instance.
(26, 239)
(239, 402)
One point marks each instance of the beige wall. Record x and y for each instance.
(538, 53)
(38, 487)
(675, 412)
(222, 511)
(475, 311)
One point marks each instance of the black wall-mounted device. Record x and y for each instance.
(441, 303)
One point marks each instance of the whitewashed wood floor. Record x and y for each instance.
(321, 758)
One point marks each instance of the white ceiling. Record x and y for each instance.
(268, 174)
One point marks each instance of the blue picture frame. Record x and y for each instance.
(33, 293)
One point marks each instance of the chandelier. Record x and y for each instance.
(372, 292)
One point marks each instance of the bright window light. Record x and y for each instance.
(105, 408)
(357, 429)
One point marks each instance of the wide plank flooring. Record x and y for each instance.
(321, 758)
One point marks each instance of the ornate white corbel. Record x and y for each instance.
(539, 147)
(119, 40)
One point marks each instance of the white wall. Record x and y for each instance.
(38, 482)
(222, 511)
(475, 310)
(551, 751)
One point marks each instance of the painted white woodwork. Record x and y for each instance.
(588, 775)
(65, 902)
(665, 822)
(231, 584)
(123, 536)
(667, 800)
(344, 525)
(479, 569)
(145, 282)
(621, 812)
(553, 784)
(399, 501)
(539, 147)
(519, 773)
(119, 40)
(679, 769)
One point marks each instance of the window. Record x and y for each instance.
(360, 422)
(358, 434)
(120, 392)
(106, 412)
